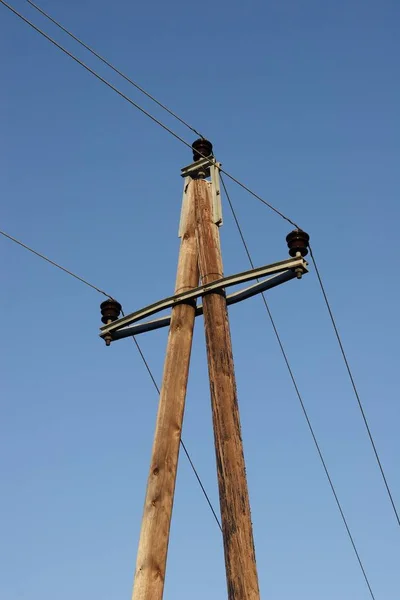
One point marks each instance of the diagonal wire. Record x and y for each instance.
(182, 443)
(113, 68)
(138, 87)
(146, 364)
(90, 70)
(145, 112)
(94, 287)
(171, 132)
(292, 377)
(349, 371)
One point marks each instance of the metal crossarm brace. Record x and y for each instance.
(290, 268)
(243, 294)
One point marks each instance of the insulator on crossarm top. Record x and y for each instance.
(297, 242)
(110, 311)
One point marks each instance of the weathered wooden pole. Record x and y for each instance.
(154, 535)
(240, 562)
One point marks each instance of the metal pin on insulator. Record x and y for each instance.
(110, 311)
(297, 242)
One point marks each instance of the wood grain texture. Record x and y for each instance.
(154, 536)
(240, 562)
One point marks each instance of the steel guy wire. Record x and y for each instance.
(299, 396)
(139, 349)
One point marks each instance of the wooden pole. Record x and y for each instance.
(154, 536)
(240, 562)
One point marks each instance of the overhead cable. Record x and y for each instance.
(299, 396)
(42, 256)
(145, 362)
(234, 179)
(353, 384)
(112, 67)
(142, 110)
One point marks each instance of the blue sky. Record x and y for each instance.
(301, 102)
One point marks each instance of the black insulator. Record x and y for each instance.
(297, 241)
(201, 149)
(110, 311)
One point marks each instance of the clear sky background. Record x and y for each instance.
(301, 100)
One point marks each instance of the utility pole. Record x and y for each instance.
(240, 560)
(154, 536)
(200, 255)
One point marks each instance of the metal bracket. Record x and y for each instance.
(210, 167)
(234, 298)
(194, 168)
(216, 193)
(288, 268)
(182, 222)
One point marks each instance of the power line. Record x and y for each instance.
(146, 364)
(171, 132)
(94, 287)
(143, 91)
(113, 68)
(182, 443)
(349, 371)
(292, 377)
(145, 112)
(99, 77)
